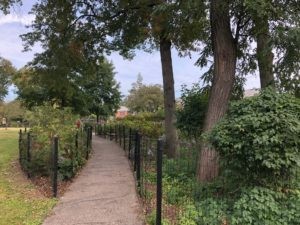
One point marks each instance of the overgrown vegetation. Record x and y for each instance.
(46, 122)
(258, 142)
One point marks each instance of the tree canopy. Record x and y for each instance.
(144, 98)
(96, 92)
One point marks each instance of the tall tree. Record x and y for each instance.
(264, 53)
(69, 71)
(266, 34)
(271, 24)
(6, 72)
(259, 11)
(260, 21)
(225, 56)
(102, 91)
(125, 25)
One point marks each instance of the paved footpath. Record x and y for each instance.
(103, 193)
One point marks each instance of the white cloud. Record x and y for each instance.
(15, 18)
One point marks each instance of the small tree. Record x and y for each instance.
(144, 98)
(191, 115)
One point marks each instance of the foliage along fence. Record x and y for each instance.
(154, 173)
(171, 194)
(51, 160)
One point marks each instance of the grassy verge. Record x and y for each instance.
(20, 202)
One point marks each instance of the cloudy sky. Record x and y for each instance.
(13, 25)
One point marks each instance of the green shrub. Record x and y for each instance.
(258, 142)
(254, 206)
(268, 207)
(146, 123)
(259, 138)
(46, 122)
(176, 191)
(190, 116)
(151, 219)
(206, 212)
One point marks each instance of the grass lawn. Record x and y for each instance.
(20, 201)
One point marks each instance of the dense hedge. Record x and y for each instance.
(149, 124)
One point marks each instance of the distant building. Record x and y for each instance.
(122, 112)
(251, 92)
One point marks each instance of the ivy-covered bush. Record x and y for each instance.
(259, 183)
(45, 123)
(259, 138)
(264, 206)
(254, 206)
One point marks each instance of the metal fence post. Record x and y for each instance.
(87, 143)
(116, 134)
(135, 150)
(28, 153)
(55, 165)
(159, 181)
(137, 160)
(110, 133)
(129, 144)
(91, 136)
(120, 135)
(124, 138)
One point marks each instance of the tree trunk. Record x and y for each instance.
(224, 50)
(264, 53)
(169, 97)
(97, 118)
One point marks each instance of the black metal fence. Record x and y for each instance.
(49, 160)
(152, 170)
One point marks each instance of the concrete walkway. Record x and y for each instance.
(103, 193)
